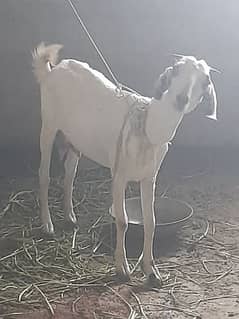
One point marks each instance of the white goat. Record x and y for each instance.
(125, 132)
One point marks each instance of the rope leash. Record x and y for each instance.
(119, 87)
(117, 83)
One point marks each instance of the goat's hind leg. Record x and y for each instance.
(70, 165)
(46, 142)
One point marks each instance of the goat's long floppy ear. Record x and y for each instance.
(163, 83)
(211, 97)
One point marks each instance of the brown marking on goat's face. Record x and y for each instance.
(181, 102)
(163, 83)
(175, 71)
(165, 80)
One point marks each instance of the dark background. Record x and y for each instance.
(137, 39)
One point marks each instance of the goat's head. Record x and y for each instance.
(189, 82)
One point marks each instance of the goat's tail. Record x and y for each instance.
(44, 57)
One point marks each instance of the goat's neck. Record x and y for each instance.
(163, 119)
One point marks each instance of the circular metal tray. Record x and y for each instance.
(170, 214)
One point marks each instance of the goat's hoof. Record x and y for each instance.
(46, 235)
(69, 225)
(122, 277)
(154, 281)
(48, 229)
(71, 218)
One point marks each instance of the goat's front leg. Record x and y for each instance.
(70, 165)
(147, 202)
(122, 267)
(46, 142)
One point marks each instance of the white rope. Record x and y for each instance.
(117, 83)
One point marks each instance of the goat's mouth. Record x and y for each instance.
(212, 117)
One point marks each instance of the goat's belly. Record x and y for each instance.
(93, 151)
(98, 156)
(93, 134)
(92, 147)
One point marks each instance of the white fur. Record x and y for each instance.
(127, 133)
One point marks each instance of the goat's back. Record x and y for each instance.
(83, 104)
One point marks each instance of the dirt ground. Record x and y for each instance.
(200, 271)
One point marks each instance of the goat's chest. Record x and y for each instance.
(138, 159)
(135, 155)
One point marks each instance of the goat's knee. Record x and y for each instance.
(70, 164)
(122, 224)
(122, 267)
(44, 181)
